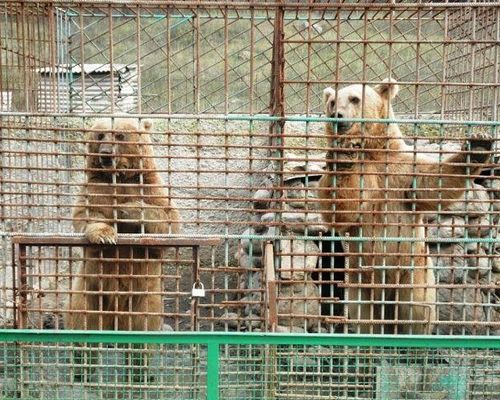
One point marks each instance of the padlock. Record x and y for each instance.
(198, 291)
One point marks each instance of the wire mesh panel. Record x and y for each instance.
(91, 371)
(345, 154)
(252, 366)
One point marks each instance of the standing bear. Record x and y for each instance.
(119, 287)
(377, 190)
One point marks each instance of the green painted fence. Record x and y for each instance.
(96, 365)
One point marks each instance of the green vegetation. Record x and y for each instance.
(211, 64)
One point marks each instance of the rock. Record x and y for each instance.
(449, 262)
(299, 300)
(294, 166)
(300, 258)
(478, 259)
(314, 224)
(249, 262)
(295, 195)
(317, 167)
(253, 246)
(458, 306)
(495, 264)
(296, 191)
(494, 184)
(253, 324)
(313, 184)
(481, 227)
(315, 328)
(255, 281)
(262, 198)
(232, 320)
(289, 329)
(447, 228)
(475, 202)
(253, 304)
(268, 218)
(293, 217)
(259, 227)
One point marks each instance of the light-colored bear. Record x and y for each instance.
(376, 190)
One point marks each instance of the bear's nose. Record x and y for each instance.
(340, 126)
(106, 148)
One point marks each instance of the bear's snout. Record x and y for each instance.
(340, 126)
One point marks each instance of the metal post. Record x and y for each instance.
(213, 371)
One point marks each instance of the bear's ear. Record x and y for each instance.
(388, 89)
(147, 124)
(327, 93)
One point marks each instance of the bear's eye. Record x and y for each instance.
(120, 137)
(354, 99)
(332, 104)
(100, 136)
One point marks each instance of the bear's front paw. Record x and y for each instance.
(479, 147)
(100, 233)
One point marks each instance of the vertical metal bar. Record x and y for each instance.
(271, 295)
(138, 55)
(213, 371)
(276, 128)
(196, 279)
(226, 62)
(22, 303)
(111, 60)
(15, 289)
(444, 62)
(277, 74)
(252, 61)
(361, 246)
(169, 78)
(496, 74)
(21, 31)
(196, 64)
(472, 87)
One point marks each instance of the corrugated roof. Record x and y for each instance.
(87, 68)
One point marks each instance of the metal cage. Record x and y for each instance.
(251, 166)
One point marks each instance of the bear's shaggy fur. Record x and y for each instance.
(123, 193)
(377, 187)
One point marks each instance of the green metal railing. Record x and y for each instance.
(41, 364)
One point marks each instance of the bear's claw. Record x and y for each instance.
(100, 233)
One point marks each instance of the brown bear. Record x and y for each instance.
(119, 287)
(376, 190)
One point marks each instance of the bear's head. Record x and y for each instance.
(356, 101)
(121, 145)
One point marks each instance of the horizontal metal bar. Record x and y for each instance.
(325, 238)
(129, 240)
(236, 338)
(254, 118)
(233, 16)
(268, 5)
